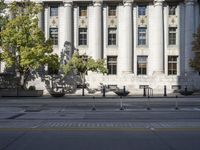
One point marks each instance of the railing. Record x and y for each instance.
(149, 91)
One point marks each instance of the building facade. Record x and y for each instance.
(144, 42)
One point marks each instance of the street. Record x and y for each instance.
(74, 124)
(100, 139)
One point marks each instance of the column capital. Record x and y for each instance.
(128, 2)
(158, 2)
(190, 2)
(67, 3)
(39, 2)
(97, 3)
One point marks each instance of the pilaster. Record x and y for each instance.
(95, 30)
(41, 16)
(157, 39)
(126, 45)
(65, 27)
(46, 20)
(189, 30)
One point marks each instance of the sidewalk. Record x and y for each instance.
(169, 97)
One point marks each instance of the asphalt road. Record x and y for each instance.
(71, 124)
(100, 139)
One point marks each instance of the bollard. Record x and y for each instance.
(148, 104)
(176, 104)
(93, 106)
(185, 90)
(83, 90)
(121, 104)
(144, 94)
(165, 90)
(104, 91)
(124, 90)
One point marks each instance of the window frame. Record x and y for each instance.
(53, 13)
(142, 10)
(53, 38)
(172, 10)
(172, 36)
(142, 36)
(112, 11)
(83, 12)
(172, 65)
(112, 37)
(143, 61)
(82, 37)
(112, 65)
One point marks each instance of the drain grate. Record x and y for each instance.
(16, 116)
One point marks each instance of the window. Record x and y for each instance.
(172, 10)
(112, 64)
(112, 11)
(142, 35)
(83, 11)
(172, 65)
(53, 11)
(142, 65)
(142, 10)
(54, 35)
(112, 36)
(172, 35)
(82, 36)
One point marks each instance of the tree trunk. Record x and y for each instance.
(23, 81)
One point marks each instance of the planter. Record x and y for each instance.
(186, 93)
(121, 92)
(8, 92)
(20, 92)
(57, 94)
(30, 93)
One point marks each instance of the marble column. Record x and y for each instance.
(46, 21)
(41, 17)
(76, 27)
(95, 30)
(125, 55)
(65, 27)
(157, 39)
(189, 30)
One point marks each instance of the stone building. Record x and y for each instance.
(144, 42)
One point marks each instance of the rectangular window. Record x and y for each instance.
(172, 65)
(172, 9)
(112, 64)
(83, 11)
(53, 11)
(54, 35)
(112, 36)
(142, 10)
(82, 36)
(172, 35)
(142, 35)
(141, 65)
(112, 11)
